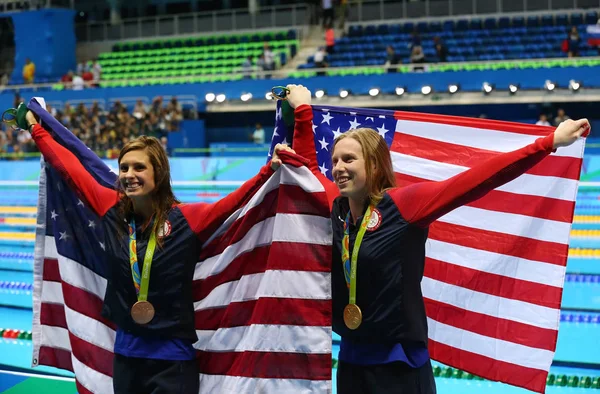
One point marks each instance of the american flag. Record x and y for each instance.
(494, 268)
(263, 315)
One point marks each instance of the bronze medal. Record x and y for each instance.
(352, 316)
(142, 312)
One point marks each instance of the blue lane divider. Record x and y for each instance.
(5, 285)
(16, 255)
(582, 278)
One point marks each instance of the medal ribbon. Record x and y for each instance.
(350, 265)
(140, 284)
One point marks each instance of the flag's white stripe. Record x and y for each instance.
(84, 327)
(223, 384)
(526, 184)
(50, 251)
(493, 140)
(283, 228)
(76, 274)
(52, 293)
(497, 349)
(56, 337)
(90, 330)
(266, 338)
(91, 379)
(279, 284)
(496, 263)
(491, 305)
(510, 223)
(288, 175)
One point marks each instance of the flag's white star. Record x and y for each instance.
(278, 115)
(336, 133)
(80, 203)
(102, 246)
(54, 215)
(381, 116)
(382, 130)
(327, 118)
(324, 144)
(275, 133)
(314, 127)
(370, 117)
(58, 187)
(92, 224)
(324, 110)
(64, 236)
(353, 113)
(323, 169)
(284, 142)
(354, 125)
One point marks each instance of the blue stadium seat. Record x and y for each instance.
(395, 29)
(408, 27)
(518, 21)
(576, 19)
(591, 17)
(462, 25)
(490, 23)
(383, 30)
(370, 30)
(422, 27)
(547, 20)
(562, 20)
(448, 26)
(504, 22)
(533, 21)
(435, 27)
(475, 24)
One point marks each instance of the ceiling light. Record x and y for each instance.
(220, 98)
(246, 96)
(400, 91)
(513, 88)
(549, 85)
(452, 88)
(344, 93)
(574, 85)
(426, 89)
(487, 88)
(319, 93)
(210, 97)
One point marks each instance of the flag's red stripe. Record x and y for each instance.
(277, 256)
(497, 125)
(283, 200)
(51, 272)
(86, 303)
(490, 326)
(77, 299)
(488, 368)
(267, 365)
(267, 310)
(81, 389)
(491, 241)
(92, 356)
(521, 204)
(493, 284)
(55, 357)
(466, 156)
(53, 315)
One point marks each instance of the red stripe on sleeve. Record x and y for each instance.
(99, 198)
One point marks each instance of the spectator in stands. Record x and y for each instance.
(258, 136)
(440, 49)
(328, 13)
(164, 142)
(560, 117)
(319, 59)
(174, 114)
(574, 41)
(417, 56)
(391, 59)
(96, 72)
(139, 111)
(329, 39)
(247, 68)
(67, 79)
(269, 57)
(543, 120)
(4, 79)
(78, 82)
(260, 63)
(82, 67)
(28, 71)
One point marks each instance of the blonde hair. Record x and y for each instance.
(163, 197)
(376, 154)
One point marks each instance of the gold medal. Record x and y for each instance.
(352, 316)
(142, 312)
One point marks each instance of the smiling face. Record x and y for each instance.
(136, 174)
(349, 169)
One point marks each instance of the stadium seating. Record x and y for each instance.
(201, 59)
(471, 40)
